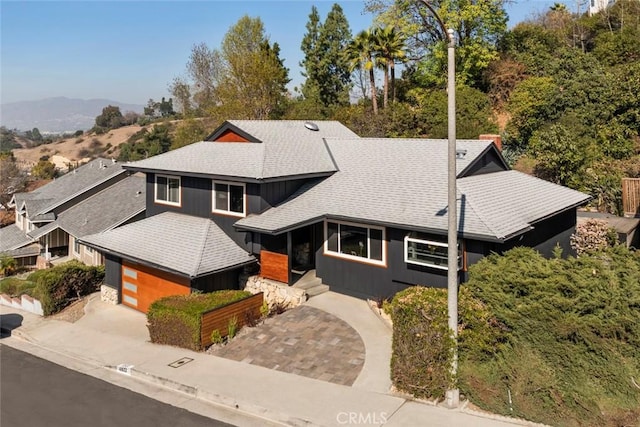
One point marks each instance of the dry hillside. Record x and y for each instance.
(77, 149)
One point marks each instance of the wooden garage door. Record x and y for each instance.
(143, 285)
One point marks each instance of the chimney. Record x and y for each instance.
(497, 140)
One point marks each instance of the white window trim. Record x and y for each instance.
(73, 247)
(167, 202)
(229, 212)
(354, 257)
(408, 239)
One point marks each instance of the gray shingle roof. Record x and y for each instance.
(11, 237)
(25, 251)
(403, 182)
(188, 245)
(286, 148)
(68, 186)
(102, 211)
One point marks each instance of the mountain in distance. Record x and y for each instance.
(59, 114)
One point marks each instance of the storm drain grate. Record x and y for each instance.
(180, 362)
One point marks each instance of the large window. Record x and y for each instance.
(355, 241)
(228, 198)
(168, 190)
(430, 253)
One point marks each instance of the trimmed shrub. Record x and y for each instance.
(176, 320)
(58, 286)
(422, 343)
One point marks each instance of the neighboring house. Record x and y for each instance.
(117, 205)
(368, 215)
(596, 6)
(41, 207)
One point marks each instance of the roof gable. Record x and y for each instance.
(490, 160)
(68, 186)
(103, 211)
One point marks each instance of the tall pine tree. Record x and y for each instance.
(328, 77)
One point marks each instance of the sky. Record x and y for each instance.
(129, 51)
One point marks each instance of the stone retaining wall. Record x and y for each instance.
(275, 293)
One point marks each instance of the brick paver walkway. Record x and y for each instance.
(303, 341)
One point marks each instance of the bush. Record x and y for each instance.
(58, 286)
(176, 320)
(593, 235)
(422, 344)
(570, 338)
(15, 287)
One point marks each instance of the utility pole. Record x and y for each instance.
(452, 396)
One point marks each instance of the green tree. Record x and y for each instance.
(245, 78)
(361, 54)
(533, 102)
(473, 112)
(7, 140)
(478, 26)
(44, 169)
(328, 77)
(36, 135)
(110, 118)
(12, 178)
(188, 132)
(253, 81)
(562, 154)
(389, 46)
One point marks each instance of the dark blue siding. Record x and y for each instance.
(366, 280)
(196, 200)
(113, 273)
(273, 193)
(219, 281)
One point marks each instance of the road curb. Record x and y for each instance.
(217, 399)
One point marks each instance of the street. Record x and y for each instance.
(35, 392)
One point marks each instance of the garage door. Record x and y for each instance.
(143, 285)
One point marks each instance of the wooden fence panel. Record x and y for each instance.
(631, 197)
(274, 266)
(218, 318)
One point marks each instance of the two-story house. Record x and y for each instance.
(24, 240)
(368, 216)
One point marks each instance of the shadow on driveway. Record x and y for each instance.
(9, 322)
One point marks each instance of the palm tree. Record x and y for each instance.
(361, 53)
(389, 46)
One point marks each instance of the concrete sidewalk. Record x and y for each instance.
(109, 336)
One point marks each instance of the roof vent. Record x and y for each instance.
(460, 153)
(311, 126)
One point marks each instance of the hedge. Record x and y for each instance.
(58, 286)
(422, 347)
(15, 287)
(176, 320)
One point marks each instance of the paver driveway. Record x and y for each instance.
(304, 341)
